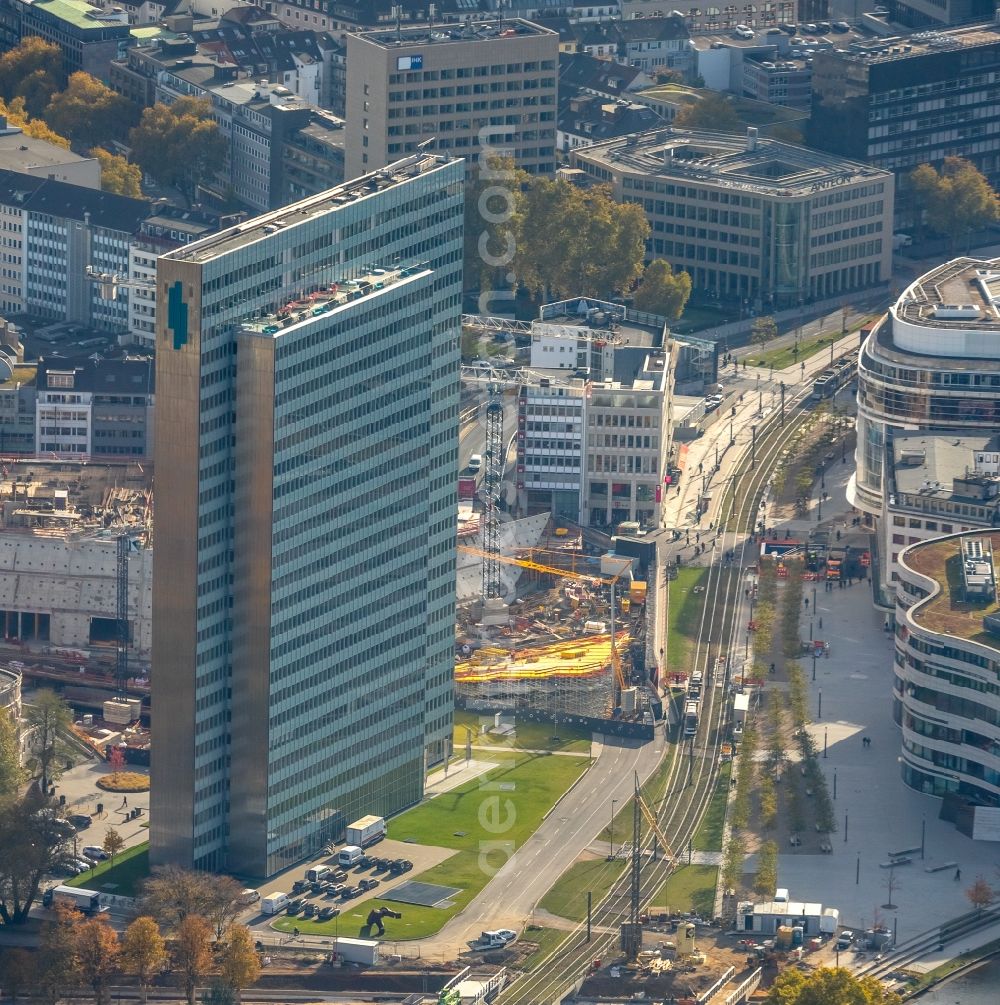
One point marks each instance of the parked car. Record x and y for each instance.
(841, 26)
(308, 910)
(368, 884)
(250, 896)
(400, 866)
(507, 934)
(80, 821)
(844, 940)
(83, 864)
(317, 886)
(381, 864)
(326, 913)
(788, 29)
(348, 892)
(299, 886)
(335, 889)
(95, 852)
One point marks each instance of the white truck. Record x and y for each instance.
(349, 855)
(366, 831)
(274, 903)
(87, 901)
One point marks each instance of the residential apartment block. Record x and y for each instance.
(900, 102)
(94, 408)
(453, 88)
(51, 232)
(303, 597)
(931, 364)
(752, 218)
(947, 658)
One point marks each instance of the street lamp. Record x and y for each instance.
(614, 803)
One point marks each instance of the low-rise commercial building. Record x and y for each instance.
(594, 441)
(27, 155)
(753, 218)
(946, 699)
(932, 365)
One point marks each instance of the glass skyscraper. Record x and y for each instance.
(306, 459)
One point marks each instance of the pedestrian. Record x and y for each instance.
(958, 874)
(820, 622)
(125, 801)
(805, 603)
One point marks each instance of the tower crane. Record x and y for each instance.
(508, 326)
(109, 283)
(552, 570)
(497, 382)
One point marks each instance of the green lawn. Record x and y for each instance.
(123, 878)
(709, 835)
(690, 888)
(808, 347)
(568, 898)
(548, 939)
(484, 820)
(684, 617)
(529, 735)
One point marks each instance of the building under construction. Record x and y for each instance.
(571, 648)
(61, 531)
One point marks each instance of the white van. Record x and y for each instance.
(318, 872)
(274, 904)
(349, 855)
(476, 462)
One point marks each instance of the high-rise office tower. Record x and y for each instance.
(306, 451)
(459, 88)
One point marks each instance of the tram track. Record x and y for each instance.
(691, 780)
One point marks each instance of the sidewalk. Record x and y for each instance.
(457, 773)
(876, 813)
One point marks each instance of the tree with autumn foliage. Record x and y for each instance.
(663, 291)
(239, 962)
(143, 951)
(117, 175)
(828, 986)
(32, 71)
(980, 895)
(89, 113)
(180, 145)
(97, 953)
(955, 200)
(192, 954)
(570, 240)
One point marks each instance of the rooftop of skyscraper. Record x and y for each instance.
(471, 31)
(962, 293)
(229, 240)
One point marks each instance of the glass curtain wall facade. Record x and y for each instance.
(305, 519)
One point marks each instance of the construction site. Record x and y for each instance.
(76, 576)
(561, 638)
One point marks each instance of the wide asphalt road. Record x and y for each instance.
(575, 821)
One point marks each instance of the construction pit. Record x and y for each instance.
(559, 652)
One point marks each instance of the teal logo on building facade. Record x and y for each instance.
(177, 315)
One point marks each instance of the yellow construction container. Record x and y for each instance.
(637, 592)
(783, 937)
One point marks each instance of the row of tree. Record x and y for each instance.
(75, 951)
(179, 145)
